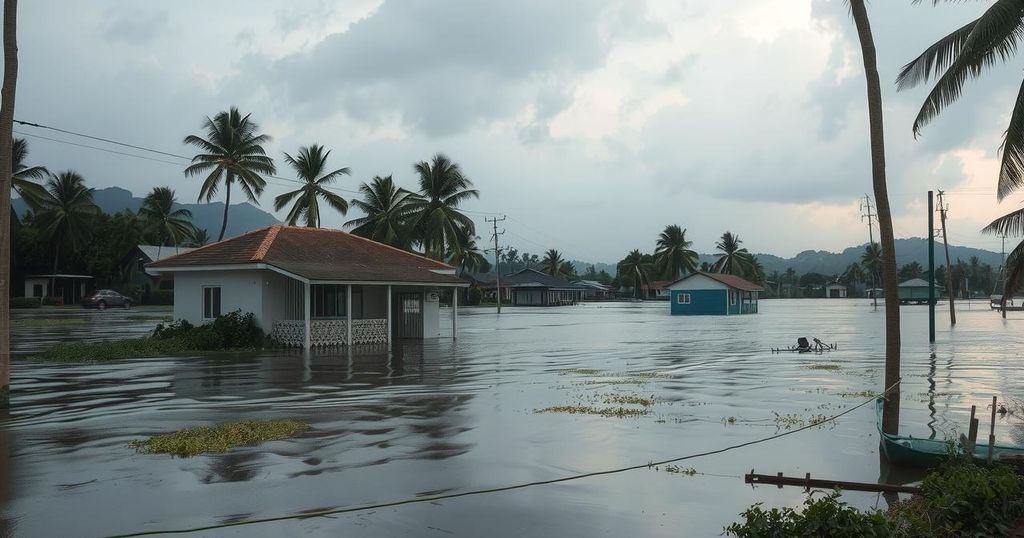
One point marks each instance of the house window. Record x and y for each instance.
(211, 302)
(328, 301)
(37, 290)
(732, 297)
(683, 298)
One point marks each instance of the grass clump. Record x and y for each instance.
(629, 399)
(616, 412)
(220, 437)
(233, 331)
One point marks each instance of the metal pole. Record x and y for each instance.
(348, 315)
(389, 314)
(455, 312)
(949, 268)
(931, 269)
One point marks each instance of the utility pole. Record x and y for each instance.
(1002, 275)
(866, 206)
(931, 267)
(943, 207)
(497, 257)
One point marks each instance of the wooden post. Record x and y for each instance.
(972, 429)
(992, 432)
(348, 314)
(306, 318)
(389, 314)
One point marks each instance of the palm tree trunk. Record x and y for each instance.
(891, 408)
(227, 203)
(6, 144)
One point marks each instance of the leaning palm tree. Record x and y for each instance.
(891, 410)
(633, 268)
(310, 166)
(468, 257)
(232, 151)
(438, 221)
(387, 213)
(22, 175)
(553, 264)
(159, 215)
(64, 213)
(673, 256)
(734, 259)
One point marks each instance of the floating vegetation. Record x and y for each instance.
(219, 438)
(859, 394)
(629, 399)
(649, 375)
(823, 366)
(579, 371)
(729, 420)
(616, 412)
(616, 381)
(791, 420)
(675, 469)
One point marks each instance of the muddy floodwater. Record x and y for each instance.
(452, 416)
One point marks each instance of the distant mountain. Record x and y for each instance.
(835, 263)
(242, 217)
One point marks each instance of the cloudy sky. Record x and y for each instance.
(590, 124)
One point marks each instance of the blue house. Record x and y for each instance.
(713, 294)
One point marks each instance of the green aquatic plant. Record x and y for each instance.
(219, 438)
(616, 412)
(823, 366)
(629, 399)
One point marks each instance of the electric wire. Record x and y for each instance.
(498, 489)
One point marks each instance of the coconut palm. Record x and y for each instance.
(199, 237)
(64, 213)
(635, 269)
(673, 257)
(387, 213)
(161, 218)
(854, 274)
(734, 259)
(310, 167)
(468, 257)
(553, 264)
(232, 151)
(891, 412)
(22, 175)
(437, 219)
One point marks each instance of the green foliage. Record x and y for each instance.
(825, 517)
(233, 331)
(25, 302)
(220, 437)
(161, 297)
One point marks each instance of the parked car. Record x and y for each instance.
(101, 299)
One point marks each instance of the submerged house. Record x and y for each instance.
(596, 291)
(530, 287)
(312, 287)
(64, 288)
(713, 294)
(835, 291)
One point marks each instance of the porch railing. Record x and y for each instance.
(330, 332)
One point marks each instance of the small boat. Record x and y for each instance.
(919, 452)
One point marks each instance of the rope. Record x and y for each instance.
(433, 498)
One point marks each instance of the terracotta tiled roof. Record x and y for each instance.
(732, 281)
(316, 254)
(659, 284)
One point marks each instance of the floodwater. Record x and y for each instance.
(452, 416)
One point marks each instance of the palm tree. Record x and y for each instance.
(553, 264)
(854, 274)
(199, 237)
(22, 175)
(438, 221)
(891, 410)
(159, 215)
(633, 268)
(673, 256)
(232, 151)
(468, 257)
(310, 168)
(64, 213)
(734, 260)
(10, 83)
(387, 213)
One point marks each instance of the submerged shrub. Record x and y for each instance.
(825, 517)
(220, 437)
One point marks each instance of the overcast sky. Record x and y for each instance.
(591, 124)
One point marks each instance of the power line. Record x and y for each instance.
(435, 498)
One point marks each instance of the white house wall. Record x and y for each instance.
(431, 313)
(239, 290)
(698, 282)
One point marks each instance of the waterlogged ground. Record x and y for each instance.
(532, 395)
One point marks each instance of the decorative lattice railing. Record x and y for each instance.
(331, 332)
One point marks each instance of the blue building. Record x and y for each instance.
(713, 294)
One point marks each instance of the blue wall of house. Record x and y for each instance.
(702, 303)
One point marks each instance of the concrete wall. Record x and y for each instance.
(431, 313)
(239, 290)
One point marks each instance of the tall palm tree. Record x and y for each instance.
(468, 257)
(438, 221)
(673, 256)
(159, 215)
(387, 213)
(64, 213)
(199, 237)
(232, 151)
(22, 175)
(310, 166)
(891, 410)
(10, 82)
(734, 260)
(854, 274)
(553, 264)
(633, 268)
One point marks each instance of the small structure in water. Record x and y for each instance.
(713, 294)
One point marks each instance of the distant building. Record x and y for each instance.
(530, 287)
(914, 291)
(835, 291)
(713, 294)
(133, 267)
(596, 291)
(658, 289)
(68, 288)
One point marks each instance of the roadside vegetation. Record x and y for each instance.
(958, 499)
(231, 332)
(219, 438)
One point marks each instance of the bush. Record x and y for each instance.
(826, 517)
(53, 301)
(25, 302)
(160, 297)
(474, 295)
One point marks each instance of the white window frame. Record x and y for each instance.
(732, 297)
(220, 302)
(683, 298)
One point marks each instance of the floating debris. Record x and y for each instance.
(616, 412)
(803, 346)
